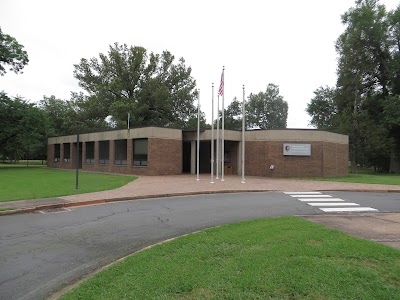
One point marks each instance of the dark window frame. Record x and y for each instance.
(121, 152)
(89, 152)
(103, 149)
(67, 154)
(57, 152)
(140, 159)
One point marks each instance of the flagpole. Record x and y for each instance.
(243, 128)
(218, 154)
(223, 128)
(198, 137)
(212, 135)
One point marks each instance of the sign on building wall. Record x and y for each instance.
(297, 149)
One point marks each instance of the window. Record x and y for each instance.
(140, 152)
(67, 152)
(120, 152)
(89, 152)
(104, 152)
(57, 152)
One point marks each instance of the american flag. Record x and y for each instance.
(221, 85)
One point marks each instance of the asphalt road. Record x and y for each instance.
(42, 253)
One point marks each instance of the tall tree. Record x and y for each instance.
(233, 116)
(267, 110)
(391, 110)
(322, 108)
(12, 54)
(152, 87)
(364, 102)
(59, 114)
(364, 49)
(66, 117)
(23, 127)
(363, 68)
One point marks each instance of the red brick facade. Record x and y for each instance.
(164, 158)
(263, 149)
(326, 160)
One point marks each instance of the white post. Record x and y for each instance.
(243, 128)
(212, 135)
(223, 128)
(218, 154)
(198, 137)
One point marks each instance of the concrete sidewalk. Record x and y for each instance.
(383, 228)
(180, 185)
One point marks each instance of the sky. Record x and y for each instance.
(286, 42)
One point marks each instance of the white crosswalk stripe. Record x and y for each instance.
(334, 204)
(302, 193)
(320, 199)
(348, 209)
(311, 196)
(327, 203)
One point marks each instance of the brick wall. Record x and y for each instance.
(326, 160)
(336, 157)
(255, 158)
(164, 158)
(50, 157)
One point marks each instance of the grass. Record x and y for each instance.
(22, 183)
(374, 178)
(23, 162)
(277, 258)
(6, 208)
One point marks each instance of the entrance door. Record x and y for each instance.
(186, 157)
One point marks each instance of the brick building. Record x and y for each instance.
(168, 151)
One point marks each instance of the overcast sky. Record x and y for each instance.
(289, 43)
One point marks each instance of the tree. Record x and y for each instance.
(363, 68)
(267, 110)
(11, 54)
(364, 102)
(66, 117)
(59, 115)
(24, 127)
(192, 122)
(391, 113)
(391, 105)
(322, 108)
(233, 116)
(364, 49)
(152, 87)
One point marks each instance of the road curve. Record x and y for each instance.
(42, 253)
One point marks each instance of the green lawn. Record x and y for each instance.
(18, 183)
(23, 162)
(374, 178)
(276, 258)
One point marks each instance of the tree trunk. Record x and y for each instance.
(394, 161)
(354, 168)
(353, 153)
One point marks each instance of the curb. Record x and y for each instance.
(143, 197)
